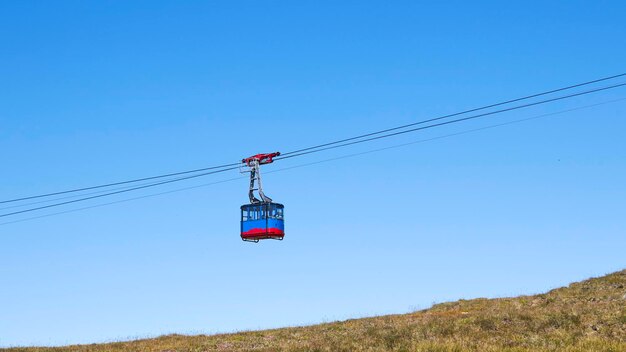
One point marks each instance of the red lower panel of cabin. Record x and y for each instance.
(259, 234)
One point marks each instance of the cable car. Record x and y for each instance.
(261, 219)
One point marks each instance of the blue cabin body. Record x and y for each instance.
(262, 221)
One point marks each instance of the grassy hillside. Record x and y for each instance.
(585, 316)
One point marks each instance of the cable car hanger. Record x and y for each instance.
(254, 162)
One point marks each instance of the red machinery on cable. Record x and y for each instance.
(262, 159)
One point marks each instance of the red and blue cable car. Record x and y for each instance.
(262, 221)
(262, 218)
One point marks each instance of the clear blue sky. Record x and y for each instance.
(95, 92)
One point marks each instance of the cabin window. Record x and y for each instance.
(262, 212)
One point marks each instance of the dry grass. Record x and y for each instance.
(586, 316)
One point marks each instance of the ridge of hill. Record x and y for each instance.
(584, 316)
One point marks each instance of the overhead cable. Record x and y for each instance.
(457, 114)
(116, 192)
(325, 146)
(326, 160)
(117, 183)
(311, 150)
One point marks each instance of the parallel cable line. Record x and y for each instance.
(456, 114)
(117, 183)
(326, 160)
(75, 195)
(321, 147)
(116, 192)
(453, 121)
(120, 201)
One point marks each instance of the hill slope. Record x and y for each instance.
(585, 316)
